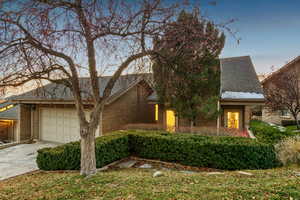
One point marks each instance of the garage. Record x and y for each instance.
(8, 122)
(59, 125)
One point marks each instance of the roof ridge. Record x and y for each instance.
(235, 57)
(285, 66)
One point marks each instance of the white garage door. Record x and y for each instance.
(59, 125)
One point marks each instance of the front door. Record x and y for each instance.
(170, 118)
(233, 120)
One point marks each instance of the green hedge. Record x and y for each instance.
(188, 149)
(267, 133)
(215, 152)
(67, 157)
(288, 122)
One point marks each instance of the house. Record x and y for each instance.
(48, 113)
(276, 117)
(240, 91)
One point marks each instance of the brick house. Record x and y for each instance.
(277, 116)
(240, 92)
(48, 113)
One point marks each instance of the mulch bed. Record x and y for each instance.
(156, 164)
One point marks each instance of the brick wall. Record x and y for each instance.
(130, 108)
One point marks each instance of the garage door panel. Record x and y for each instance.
(60, 125)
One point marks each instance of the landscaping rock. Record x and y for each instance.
(157, 174)
(127, 164)
(245, 173)
(166, 169)
(297, 173)
(146, 166)
(187, 172)
(215, 173)
(102, 169)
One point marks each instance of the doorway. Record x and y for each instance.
(171, 121)
(233, 120)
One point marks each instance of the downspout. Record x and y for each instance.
(218, 120)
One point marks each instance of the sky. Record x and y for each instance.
(269, 29)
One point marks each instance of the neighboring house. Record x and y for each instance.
(277, 116)
(240, 92)
(48, 113)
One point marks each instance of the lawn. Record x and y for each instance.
(280, 183)
(291, 128)
(271, 134)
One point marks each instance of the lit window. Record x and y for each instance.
(156, 112)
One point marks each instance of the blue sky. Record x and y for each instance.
(269, 29)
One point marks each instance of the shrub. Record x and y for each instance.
(188, 149)
(288, 122)
(203, 151)
(267, 133)
(288, 150)
(67, 157)
(212, 131)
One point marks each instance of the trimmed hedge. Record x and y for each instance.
(203, 151)
(67, 157)
(288, 122)
(215, 152)
(267, 133)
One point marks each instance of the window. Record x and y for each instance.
(156, 112)
(284, 113)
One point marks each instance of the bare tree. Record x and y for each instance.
(282, 91)
(59, 40)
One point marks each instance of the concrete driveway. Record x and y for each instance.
(20, 159)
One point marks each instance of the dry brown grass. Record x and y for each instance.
(288, 150)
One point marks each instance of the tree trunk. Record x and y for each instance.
(88, 157)
(297, 122)
(100, 123)
(192, 126)
(295, 115)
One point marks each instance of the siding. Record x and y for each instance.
(25, 122)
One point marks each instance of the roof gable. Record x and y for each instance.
(238, 77)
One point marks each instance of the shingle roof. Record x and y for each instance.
(54, 91)
(238, 80)
(238, 75)
(10, 113)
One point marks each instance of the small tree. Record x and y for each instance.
(282, 91)
(186, 72)
(59, 40)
